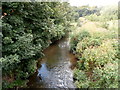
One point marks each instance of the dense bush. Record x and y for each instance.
(81, 77)
(86, 43)
(86, 10)
(27, 29)
(97, 52)
(94, 17)
(106, 77)
(75, 38)
(106, 13)
(98, 56)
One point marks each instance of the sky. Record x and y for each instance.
(93, 2)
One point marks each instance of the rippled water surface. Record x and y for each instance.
(55, 69)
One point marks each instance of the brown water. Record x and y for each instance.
(55, 69)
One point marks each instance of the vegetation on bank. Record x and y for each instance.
(27, 29)
(95, 44)
(82, 11)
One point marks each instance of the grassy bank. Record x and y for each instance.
(95, 44)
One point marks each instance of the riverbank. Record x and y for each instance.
(96, 47)
(27, 29)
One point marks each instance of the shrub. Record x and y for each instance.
(28, 28)
(105, 25)
(78, 37)
(106, 77)
(98, 56)
(9, 63)
(87, 43)
(82, 77)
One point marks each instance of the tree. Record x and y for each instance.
(28, 28)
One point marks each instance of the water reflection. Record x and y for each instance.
(43, 72)
(55, 71)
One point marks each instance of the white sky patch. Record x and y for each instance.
(93, 2)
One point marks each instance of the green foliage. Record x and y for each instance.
(98, 57)
(77, 12)
(94, 17)
(106, 77)
(104, 25)
(118, 10)
(86, 43)
(106, 13)
(83, 80)
(110, 12)
(9, 63)
(19, 83)
(28, 28)
(78, 37)
(86, 10)
(101, 62)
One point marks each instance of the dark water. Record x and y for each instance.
(55, 69)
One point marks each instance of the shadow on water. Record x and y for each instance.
(55, 68)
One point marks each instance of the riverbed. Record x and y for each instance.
(55, 69)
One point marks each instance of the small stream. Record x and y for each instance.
(55, 70)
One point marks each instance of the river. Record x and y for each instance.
(55, 69)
